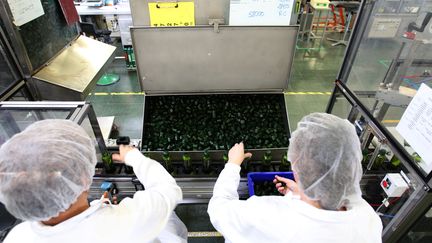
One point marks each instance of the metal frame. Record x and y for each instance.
(78, 112)
(408, 214)
(364, 13)
(20, 50)
(87, 109)
(22, 59)
(383, 133)
(14, 66)
(170, 86)
(195, 190)
(421, 199)
(15, 88)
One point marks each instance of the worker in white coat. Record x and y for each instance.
(324, 204)
(45, 176)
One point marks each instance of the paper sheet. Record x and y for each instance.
(415, 125)
(172, 14)
(24, 11)
(260, 12)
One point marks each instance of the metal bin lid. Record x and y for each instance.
(203, 59)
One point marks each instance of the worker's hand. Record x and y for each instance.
(105, 196)
(284, 185)
(123, 150)
(236, 155)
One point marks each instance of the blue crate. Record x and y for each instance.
(264, 176)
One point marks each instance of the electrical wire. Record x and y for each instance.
(378, 209)
(390, 202)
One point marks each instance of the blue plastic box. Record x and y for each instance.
(264, 176)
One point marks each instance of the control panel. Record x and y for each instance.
(394, 185)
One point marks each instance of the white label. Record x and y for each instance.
(24, 11)
(416, 125)
(384, 27)
(260, 12)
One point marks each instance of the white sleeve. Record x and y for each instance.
(149, 210)
(229, 215)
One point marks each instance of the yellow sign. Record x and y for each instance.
(172, 14)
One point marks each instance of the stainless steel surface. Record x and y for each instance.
(204, 10)
(198, 60)
(75, 71)
(393, 97)
(195, 190)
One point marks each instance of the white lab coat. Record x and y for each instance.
(147, 217)
(286, 218)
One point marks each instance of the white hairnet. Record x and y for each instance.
(326, 156)
(45, 168)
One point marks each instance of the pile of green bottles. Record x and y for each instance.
(215, 122)
(130, 57)
(265, 188)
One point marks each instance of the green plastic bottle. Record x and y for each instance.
(166, 157)
(108, 163)
(206, 162)
(225, 157)
(266, 163)
(187, 163)
(285, 165)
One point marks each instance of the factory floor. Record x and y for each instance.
(310, 86)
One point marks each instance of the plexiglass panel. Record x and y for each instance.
(381, 157)
(393, 60)
(17, 116)
(13, 121)
(88, 128)
(7, 72)
(422, 229)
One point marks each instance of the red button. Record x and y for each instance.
(385, 184)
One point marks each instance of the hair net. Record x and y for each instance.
(326, 156)
(45, 168)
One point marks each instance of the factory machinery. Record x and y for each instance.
(213, 88)
(205, 109)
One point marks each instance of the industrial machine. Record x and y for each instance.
(194, 78)
(208, 87)
(387, 61)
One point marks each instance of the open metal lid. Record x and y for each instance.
(78, 67)
(204, 59)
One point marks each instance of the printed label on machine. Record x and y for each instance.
(416, 126)
(260, 12)
(24, 11)
(384, 27)
(171, 14)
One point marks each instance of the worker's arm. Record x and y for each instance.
(228, 214)
(150, 209)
